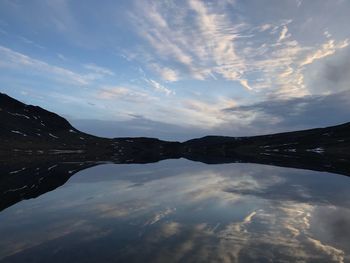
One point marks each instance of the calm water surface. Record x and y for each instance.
(181, 211)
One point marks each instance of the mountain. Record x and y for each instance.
(326, 144)
(31, 130)
(40, 151)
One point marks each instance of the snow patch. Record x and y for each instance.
(20, 115)
(18, 132)
(15, 189)
(53, 136)
(17, 171)
(51, 167)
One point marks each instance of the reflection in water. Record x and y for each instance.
(180, 211)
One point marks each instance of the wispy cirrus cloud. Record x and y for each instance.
(166, 73)
(327, 49)
(122, 93)
(199, 40)
(16, 60)
(159, 87)
(99, 69)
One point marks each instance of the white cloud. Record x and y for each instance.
(98, 69)
(326, 50)
(283, 34)
(200, 40)
(13, 59)
(166, 73)
(207, 114)
(245, 84)
(16, 60)
(265, 27)
(210, 41)
(126, 94)
(159, 87)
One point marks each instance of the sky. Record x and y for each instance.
(180, 69)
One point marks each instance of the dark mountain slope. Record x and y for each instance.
(322, 149)
(26, 129)
(30, 127)
(322, 141)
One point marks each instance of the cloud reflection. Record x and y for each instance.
(183, 211)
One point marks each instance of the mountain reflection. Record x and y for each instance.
(181, 211)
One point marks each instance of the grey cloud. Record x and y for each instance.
(333, 75)
(270, 116)
(138, 126)
(297, 113)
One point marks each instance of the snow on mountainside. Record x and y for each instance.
(25, 122)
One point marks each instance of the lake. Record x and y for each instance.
(183, 211)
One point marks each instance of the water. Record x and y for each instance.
(182, 211)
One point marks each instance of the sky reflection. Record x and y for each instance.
(183, 211)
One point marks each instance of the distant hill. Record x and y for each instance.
(321, 141)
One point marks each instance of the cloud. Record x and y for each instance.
(336, 255)
(62, 57)
(160, 215)
(332, 75)
(15, 60)
(265, 27)
(245, 84)
(207, 115)
(326, 50)
(122, 93)
(299, 2)
(297, 113)
(283, 34)
(216, 44)
(138, 126)
(166, 73)
(98, 69)
(30, 42)
(195, 118)
(209, 42)
(170, 229)
(159, 87)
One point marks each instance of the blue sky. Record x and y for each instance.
(179, 69)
